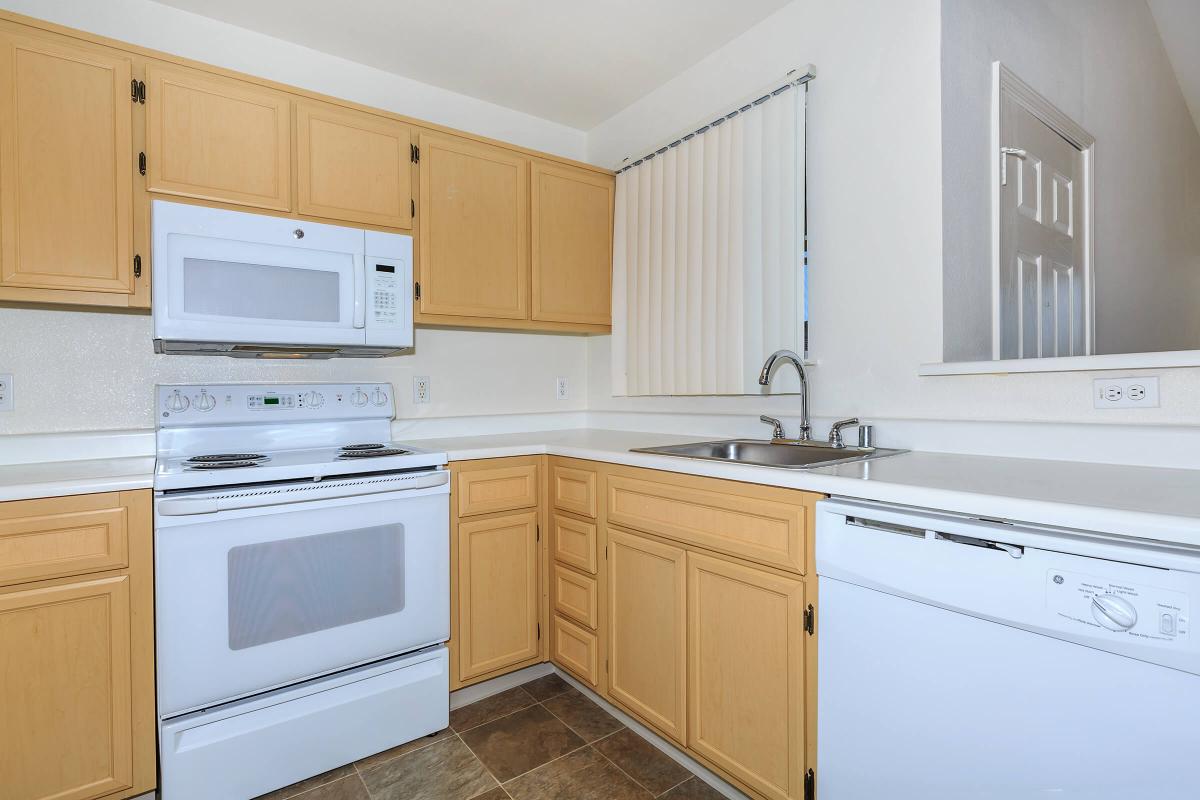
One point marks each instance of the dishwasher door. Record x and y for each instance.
(954, 669)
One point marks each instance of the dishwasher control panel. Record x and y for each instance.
(1100, 604)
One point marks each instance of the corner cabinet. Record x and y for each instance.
(66, 172)
(76, 647)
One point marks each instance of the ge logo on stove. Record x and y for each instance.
(1058, 579)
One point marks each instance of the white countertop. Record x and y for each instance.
(1145, 502)
(58, 478)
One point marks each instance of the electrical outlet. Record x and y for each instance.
(6, 392)
(421, 389)
(561, 387)
(1139, 392)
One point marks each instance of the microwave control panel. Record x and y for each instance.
(385, 295)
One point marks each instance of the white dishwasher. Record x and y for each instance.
(967, 659)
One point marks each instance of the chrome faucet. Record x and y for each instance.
(764, 378)
(835, 433)
(777, 431)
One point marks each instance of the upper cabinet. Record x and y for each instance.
(66, 172)
(474, 254)
(210, 137)
(571, 244)
(353, 166)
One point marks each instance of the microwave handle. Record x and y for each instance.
(360, 292)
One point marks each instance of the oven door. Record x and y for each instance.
(229, 276)
(259, 598)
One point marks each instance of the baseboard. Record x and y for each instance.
(668, 748)
(475, 692)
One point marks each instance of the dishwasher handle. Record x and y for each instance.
(1014, 550)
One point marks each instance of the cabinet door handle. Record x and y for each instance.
(141, 163)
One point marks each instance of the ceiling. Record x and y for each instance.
(570, 61)
(1179, 25)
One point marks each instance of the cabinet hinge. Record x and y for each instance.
(538, 532)
(539, 629)
(134, 94)
(137, 266)
(417, 290)
(141, 163)
(139, 92)
(412, 206)
(414, 153)
(810, 785)
(810, 621)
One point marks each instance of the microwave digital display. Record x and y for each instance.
(384, 268)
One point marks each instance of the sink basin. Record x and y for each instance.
(762, 453)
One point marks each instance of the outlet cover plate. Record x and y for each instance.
(6, 392)
(1140, 392)
(562, 388)
(421, 389)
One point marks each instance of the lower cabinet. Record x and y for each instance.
(647, 592)
(576, 649)
(497, 593)
(76, 648)
(745, 677)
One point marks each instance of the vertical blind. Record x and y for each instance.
(708, 255)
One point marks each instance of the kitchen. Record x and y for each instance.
(513, 383)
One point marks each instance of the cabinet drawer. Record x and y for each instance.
(577, 650)
(574, 490)
(574, 543)
(575, 596)
(505, 488)
(758, 523)
(42, 539)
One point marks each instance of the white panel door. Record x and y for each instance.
(1044, 303)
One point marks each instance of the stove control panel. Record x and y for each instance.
(225, 404)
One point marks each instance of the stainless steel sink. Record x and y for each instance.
(762, 453)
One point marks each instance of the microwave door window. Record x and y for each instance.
(236, 290)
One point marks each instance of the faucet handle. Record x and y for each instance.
(835, 432)
(777, 432)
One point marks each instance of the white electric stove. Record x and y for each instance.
(302, 584)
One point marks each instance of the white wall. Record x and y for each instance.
(875, 223)
(1103, 63)
(96, 370)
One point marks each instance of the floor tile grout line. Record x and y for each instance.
(359, 770)
(584, 746)
(486, 768)
(627, 774)
(676, 786)
(533, 702)
(353, 771)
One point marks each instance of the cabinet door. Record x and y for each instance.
(646, 630)
(217, 138)
(353, 166)
(572, 244)
(497, 593)
(65, 687)
(66, 167)
(474, 230)
(746, 673)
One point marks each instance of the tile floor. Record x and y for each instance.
(540, 741)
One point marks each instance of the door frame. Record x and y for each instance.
(1007, 85)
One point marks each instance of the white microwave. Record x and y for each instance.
(254, 286)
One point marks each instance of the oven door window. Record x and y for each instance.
(292, 587)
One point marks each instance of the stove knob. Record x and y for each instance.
(378, 397)
(359, 398)
(314, 399)
(1113, 612)
(205, 402)
(177, 403)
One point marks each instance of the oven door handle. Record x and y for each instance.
(300, 493)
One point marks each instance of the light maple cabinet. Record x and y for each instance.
(474, 217)
(212, 137)
(497, 601)
(353, 166)
(66, 172)
(76, 648)
(571, 250)
(745, 676)
(647, 617)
